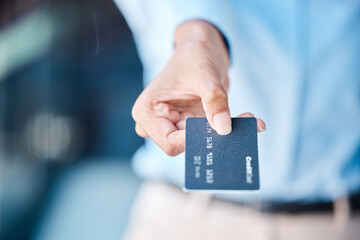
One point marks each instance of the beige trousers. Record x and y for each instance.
(164, 212)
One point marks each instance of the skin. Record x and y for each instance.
(194, 83)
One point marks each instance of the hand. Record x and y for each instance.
(194, 83)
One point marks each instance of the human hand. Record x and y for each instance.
(194, 83)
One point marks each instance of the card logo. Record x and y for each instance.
(249, 170)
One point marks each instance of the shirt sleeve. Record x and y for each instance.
(153, 23)
(172, 12)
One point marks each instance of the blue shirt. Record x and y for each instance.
(296, 65)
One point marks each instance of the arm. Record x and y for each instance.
(193, 83)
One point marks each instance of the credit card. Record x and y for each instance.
(216, 162)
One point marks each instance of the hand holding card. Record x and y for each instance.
(218, 162)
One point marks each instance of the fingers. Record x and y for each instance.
(215, 103)
(158, 123)
(165, 134)
(171, 136)
(261, 126)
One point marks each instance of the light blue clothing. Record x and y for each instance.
(295, 64)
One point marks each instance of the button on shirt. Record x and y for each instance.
(295, 64)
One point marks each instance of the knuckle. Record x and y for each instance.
(139, 108)
(215, 93)
(138, 131)
(170, 150)
(134, 111)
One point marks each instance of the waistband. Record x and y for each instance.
(351, 203)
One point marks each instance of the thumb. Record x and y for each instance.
(215, 102)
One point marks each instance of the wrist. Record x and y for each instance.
(199, 31)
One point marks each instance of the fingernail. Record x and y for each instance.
(222, 122)
(260, 129)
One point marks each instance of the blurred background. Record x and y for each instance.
(69, 75)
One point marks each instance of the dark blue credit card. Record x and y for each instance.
(216, 162)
